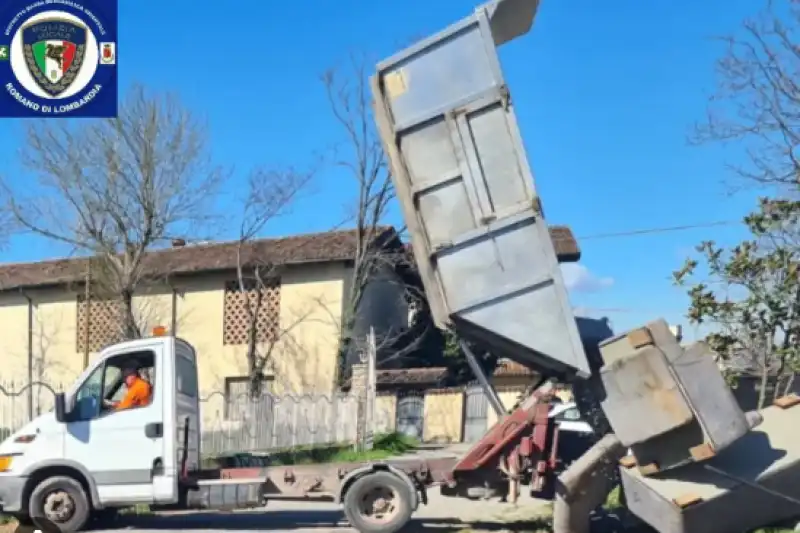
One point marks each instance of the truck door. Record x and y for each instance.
(187, 407)
(121, 448)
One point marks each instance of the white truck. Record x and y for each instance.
(84, 459)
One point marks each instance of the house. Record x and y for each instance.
(193, 291)
(51, 333)
(415, 401)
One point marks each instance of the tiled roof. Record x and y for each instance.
(198, 258)
(508, 368)
(425, 376)
(567, 248)
(435, 375)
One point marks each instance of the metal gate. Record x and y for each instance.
(410, 416)
(475, 409)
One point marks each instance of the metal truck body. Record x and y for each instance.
(467, 192)
(85, 459)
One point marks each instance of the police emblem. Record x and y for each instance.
(54, 52)
(58, 58)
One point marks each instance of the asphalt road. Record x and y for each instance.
(441, 515)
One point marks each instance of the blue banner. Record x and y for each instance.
(58, 58)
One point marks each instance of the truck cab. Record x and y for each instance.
(89, 455)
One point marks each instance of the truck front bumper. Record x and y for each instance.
(11, 488)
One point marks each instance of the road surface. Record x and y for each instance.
(441, 515)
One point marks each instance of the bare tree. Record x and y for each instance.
(6, 227)
(43, 364)
(752, 297)
(270, 194)
(757, 99)
(362, 156)
(116, 188)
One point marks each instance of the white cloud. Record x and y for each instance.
(578, 278)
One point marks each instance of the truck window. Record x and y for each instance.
(571, 414)
(186, 377)
(107, 384)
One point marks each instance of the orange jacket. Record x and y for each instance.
(137, 395)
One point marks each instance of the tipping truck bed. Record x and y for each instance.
(467, 193)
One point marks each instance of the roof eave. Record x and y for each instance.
(79, 282)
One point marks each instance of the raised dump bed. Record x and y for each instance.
(468, 196)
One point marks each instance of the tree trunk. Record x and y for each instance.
(787, 389)
(130, 329)
(762, 391)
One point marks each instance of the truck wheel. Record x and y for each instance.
(379, 502)
(59, 504)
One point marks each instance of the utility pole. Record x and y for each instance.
(87, 307)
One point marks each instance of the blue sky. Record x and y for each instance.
(605, 93)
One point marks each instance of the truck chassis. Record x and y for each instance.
(380, 497)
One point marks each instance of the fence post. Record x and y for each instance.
(371, 389)
(358, 389)
(253, 421)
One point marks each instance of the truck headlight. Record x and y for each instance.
(5, 462)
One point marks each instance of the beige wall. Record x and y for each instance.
(53, 351)
(386, 412)
(565, 394)
(304, 358)
(508, 396)
(444, 413)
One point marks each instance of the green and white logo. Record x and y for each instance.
(54, 55)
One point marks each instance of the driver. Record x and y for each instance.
(137, 394)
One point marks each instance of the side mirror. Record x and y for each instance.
(60, 408)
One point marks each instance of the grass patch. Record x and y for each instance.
(613, 500)
(385, 445)
(137, 510)
(527, 519)
(517, 519)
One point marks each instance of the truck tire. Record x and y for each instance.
(379, 502)
(59, 505)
